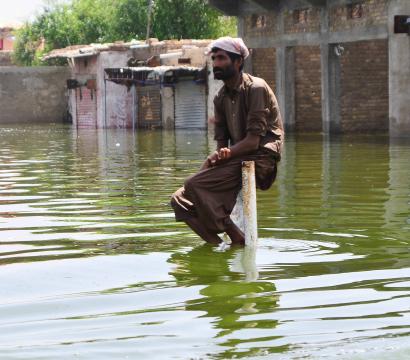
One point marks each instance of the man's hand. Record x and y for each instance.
(210, 161)
(213, 158)
(224, 153)
(216, 158)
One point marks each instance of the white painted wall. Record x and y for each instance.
(116, 103)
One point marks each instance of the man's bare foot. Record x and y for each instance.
(203, 232)
(236, 235)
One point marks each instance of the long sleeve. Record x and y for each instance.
(264, 118)
(258, 111)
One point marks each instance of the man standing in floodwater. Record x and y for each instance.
(248, 126)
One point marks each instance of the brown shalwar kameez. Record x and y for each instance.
(210, 194)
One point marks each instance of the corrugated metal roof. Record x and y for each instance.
(144, 74)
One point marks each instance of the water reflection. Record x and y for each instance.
(397, 214)
(228, 298)
(93, 262)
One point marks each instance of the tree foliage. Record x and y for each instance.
(96, 21)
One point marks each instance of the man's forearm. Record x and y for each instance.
(246, 146)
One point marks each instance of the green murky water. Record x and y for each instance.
(93, 266)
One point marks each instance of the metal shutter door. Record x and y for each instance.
(190, 106)
(149, 106)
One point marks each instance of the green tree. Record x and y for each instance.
(129, 20)
(91, 21)
(26, 45)
(177, 19)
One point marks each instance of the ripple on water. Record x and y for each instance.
(93, 265)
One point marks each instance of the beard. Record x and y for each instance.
(224, 73)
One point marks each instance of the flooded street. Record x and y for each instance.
(93, 265)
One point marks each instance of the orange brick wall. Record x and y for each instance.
(86, 101)
(308, 97)
(374, 12)
(364, 101)
(264, 65)
(261, 25)
(8, 43)
(312, 23)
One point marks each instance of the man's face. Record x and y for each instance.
(223, 67)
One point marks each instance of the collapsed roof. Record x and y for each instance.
(78, 51)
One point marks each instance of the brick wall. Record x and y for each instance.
(86, 110)
(8, 43)
(364, 100)
(373, 12)
(308, 107)
(86, 100)
(264, 65)
(302, 20)
(6, 58)
(261, 24)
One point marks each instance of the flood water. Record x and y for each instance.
(93, 266)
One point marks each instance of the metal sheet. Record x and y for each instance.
(190, 106)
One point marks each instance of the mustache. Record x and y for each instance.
(215, 68)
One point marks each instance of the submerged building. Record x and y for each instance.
(158, 84)
(337, 66)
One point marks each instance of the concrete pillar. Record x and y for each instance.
(285, 78)
(241, 27)
(324, 61)
(399, 73)
(333, 122)
(330, 81)
(285, 85)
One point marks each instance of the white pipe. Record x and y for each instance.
(139, 46)
(249, 203)
(170, 55)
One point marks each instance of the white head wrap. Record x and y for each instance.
(233, 45)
